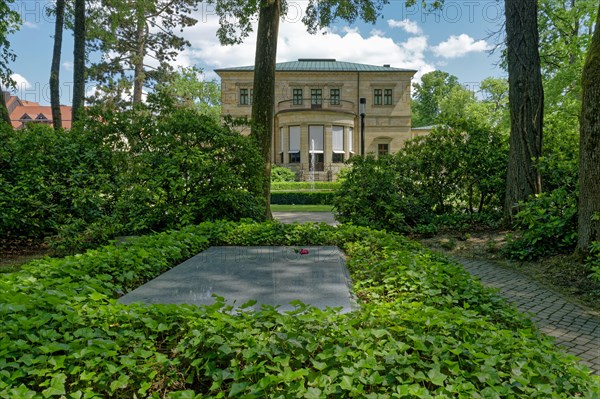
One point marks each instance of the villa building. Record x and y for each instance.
(317, 121)
(23, 112)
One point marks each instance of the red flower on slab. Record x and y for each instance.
(304, 251)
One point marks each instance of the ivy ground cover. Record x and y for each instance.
(424, 330)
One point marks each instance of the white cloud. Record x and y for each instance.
(457, 46)
(30, 25)
(21, 82)
(406, 24)
(68, 65)
(346, 44)
(348, 29)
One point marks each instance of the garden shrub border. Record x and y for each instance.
(305, 185)
(425, 329)
(302, 197)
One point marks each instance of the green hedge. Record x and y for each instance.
(125, 173)
(305, 185)
(424, 329)
(302, 197)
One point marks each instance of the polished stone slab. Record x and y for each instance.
(270, 275)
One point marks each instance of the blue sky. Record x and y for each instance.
(455, 40)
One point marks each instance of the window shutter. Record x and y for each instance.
(338, 139)
(294, 138)
(350, 139)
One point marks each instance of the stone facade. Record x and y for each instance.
(317, 125)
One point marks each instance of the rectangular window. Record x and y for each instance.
(244, 97)
(377, 97)
(251, 96)
(315, 139)
(350, 140)
(337, 158)
(383, 149)
(316, 96)
(315, 145)
(337, 143)
(387, 97)
(334, 96)
(294, 148)
(297, 96)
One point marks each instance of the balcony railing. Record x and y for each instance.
(326, 104)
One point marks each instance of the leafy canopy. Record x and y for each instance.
(9, 23)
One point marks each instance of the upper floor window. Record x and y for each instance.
(334, 96)
(378, 97)
(383, 97)
(246, 96)
(316, 96)
(387, 97)
(297, 96)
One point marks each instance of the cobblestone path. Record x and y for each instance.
(574, 327)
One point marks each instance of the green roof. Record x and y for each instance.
(322, 64)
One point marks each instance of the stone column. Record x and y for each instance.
(304, 147)
(327, 144)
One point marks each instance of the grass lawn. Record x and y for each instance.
(301, 208)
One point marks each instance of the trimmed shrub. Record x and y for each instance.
(124, 173)
(281, 174)
(375, 195)
(305, 185)
(302, 197)
(49, 178)
(457, 169)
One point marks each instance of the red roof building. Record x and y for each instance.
(22, 112)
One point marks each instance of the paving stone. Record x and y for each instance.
(575, 328)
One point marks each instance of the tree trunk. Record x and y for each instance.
(78, 59)
(55, 68)
(138, 58)
(4, 116)
(589, 148)
(526, 102)
(264, 88)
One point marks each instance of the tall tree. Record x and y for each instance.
(526, 102)
(236, 19)
(138, 31)
(9, 23)
(264, 88)
(589, 150)
(55, 68)
(188, 88)
(428, 95)
(566, 28)
(78, 59)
